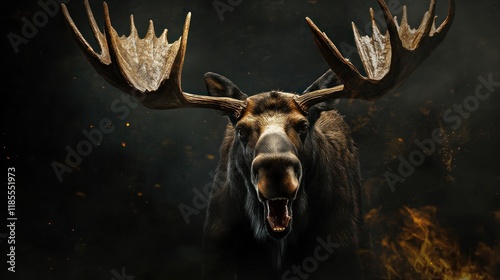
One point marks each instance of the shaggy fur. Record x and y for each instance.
(328, 203)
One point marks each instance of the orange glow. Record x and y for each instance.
(420, 248)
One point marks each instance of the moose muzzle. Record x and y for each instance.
(276, 175)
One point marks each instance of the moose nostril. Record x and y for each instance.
(276, 175)
(255, 175)
(297, 169)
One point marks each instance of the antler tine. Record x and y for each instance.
(96, 59)
(427, 21)
(409, 47)
(149, 68)
(343, 68)
(388, 59)
(439, 33)
(100, 37)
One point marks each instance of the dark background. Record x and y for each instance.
(120, 207)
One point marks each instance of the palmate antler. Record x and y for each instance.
(388, 59)
(148, 68)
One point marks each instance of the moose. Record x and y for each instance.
(287, 201)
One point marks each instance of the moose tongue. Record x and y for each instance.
(278, 215)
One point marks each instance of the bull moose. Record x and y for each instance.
(287, 201)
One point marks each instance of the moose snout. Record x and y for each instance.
(276, 175)
(276, 170)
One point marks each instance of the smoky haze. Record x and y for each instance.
(119, 206)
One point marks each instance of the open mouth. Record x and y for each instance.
(279, 214)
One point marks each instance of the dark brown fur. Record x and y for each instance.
(327, 205)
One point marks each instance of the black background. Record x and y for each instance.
(120, 207)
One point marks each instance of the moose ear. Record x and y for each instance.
(220, 86)
(327, 80)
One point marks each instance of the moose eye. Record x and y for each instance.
(302, 128)
(242, 134)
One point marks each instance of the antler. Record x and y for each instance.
(387, 59)
(148, 68)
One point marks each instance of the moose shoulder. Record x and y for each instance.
(287, 201)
